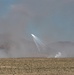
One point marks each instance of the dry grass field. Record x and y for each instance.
(37, 66)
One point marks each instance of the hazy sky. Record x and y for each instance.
(51, 19)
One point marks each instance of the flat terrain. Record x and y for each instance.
(37, 66)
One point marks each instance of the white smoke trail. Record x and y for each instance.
(36, 44)
(37, 41)
(34, 38)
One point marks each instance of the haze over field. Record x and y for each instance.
(51, 21)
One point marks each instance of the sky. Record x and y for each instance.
(50, 20)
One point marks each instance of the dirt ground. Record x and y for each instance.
(37, 66)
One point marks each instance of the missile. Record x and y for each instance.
(33, 35)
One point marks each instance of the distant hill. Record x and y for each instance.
(65, 47)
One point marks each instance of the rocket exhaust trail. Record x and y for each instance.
(36, 44)
(37, 41)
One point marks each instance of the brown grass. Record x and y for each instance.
(37, 66)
